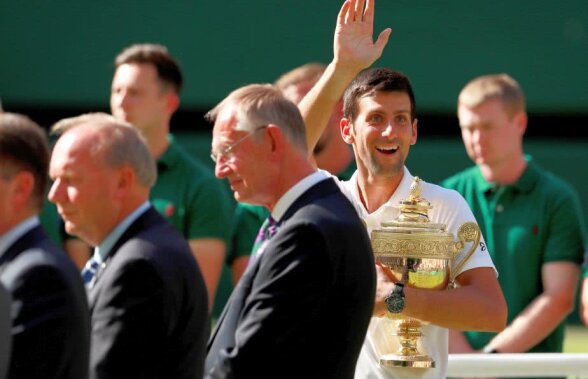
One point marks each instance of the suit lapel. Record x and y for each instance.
(232, 310)
(320, 189)
(234, 305)
(148, 218)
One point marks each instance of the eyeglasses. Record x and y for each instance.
(226, 150)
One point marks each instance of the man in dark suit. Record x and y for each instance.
(148, 302)
(50, 328)
(281, 320)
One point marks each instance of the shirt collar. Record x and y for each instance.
(170, 156)
(399, 194)
(102, 251)
(529, 178)
(525, 183)
(295, 192)
(11, 236)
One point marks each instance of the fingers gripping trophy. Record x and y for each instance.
(418, 253)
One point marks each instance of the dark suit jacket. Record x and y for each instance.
(50, 322)
(149, 308)
(302, 308)
(5, 327)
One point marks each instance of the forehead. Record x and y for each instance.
(224, 124)
(485, 112)
(74, 149)
(135, 73)
(388, 102)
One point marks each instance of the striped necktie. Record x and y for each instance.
(268, 229)
(90, 269)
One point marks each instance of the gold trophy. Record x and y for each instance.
(419, 254)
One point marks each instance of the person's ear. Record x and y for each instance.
(126, 180)
(521, 121)
(173, 101)
(413, 138)
(347, 131)
(22, 185)
(276, 140)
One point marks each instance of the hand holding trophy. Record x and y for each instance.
(417, 253)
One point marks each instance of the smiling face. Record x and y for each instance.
(381, 134)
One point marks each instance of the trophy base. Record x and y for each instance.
(414, 361)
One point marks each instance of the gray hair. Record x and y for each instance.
(120, 143)
(263, 104)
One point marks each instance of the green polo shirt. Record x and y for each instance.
(52, 223)
(534, 221)
(190, 197)
(585, 267)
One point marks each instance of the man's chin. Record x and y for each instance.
(241, 197)
(246, 198)
(71, 229)
(123, 117)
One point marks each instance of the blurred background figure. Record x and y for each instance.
(50, 324)
(531, 220)
(145, 92)
(331, 153)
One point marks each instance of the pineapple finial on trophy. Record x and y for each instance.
(414, 208)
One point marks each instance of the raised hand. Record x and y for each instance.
(354, 49)
(353, 45)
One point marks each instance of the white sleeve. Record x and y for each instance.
(451, 209)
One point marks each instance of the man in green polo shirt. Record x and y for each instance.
(145, 92)
(530, 219)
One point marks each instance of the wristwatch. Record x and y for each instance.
(395, 301)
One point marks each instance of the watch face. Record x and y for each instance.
(395, 303)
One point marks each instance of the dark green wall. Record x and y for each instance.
(59, 53)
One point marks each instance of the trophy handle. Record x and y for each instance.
(467, 232)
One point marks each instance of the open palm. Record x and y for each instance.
(353, 45)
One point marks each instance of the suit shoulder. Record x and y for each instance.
(39, 265)
(159, 243)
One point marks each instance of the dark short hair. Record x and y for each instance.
(168, 69)
(24, 147)
(373, 80)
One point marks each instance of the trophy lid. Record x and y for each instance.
(414, 213)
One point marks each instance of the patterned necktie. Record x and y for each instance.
(267, 231)
(90, 269)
